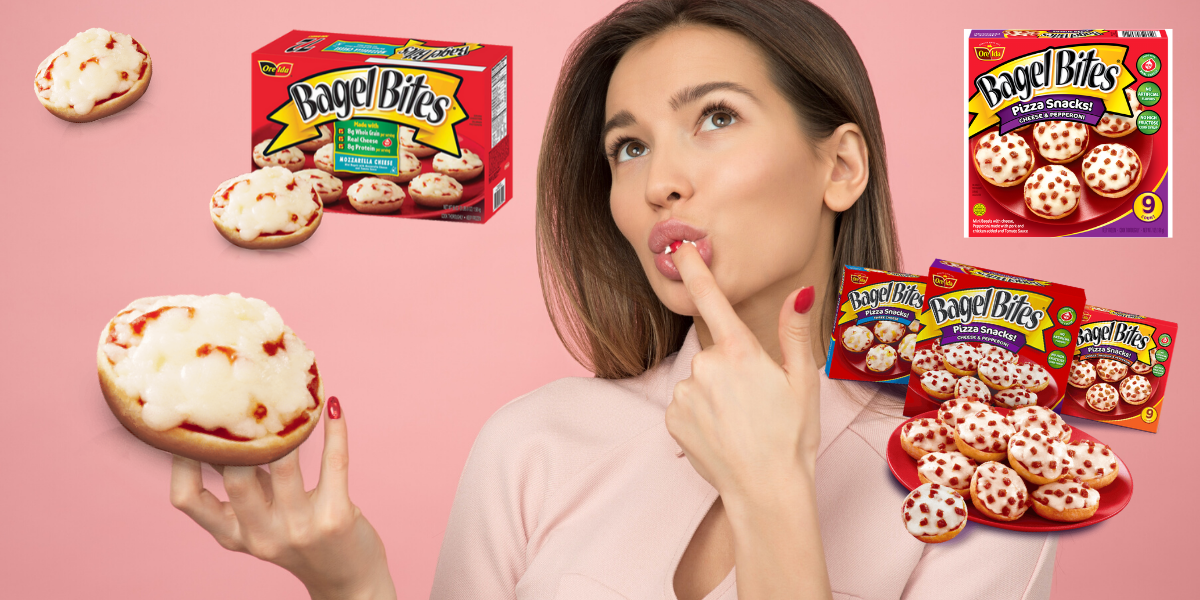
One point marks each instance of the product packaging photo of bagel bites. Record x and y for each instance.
(1119, 372)
(875, 334)
(398, 127)
(999, 338)
(1068, 133)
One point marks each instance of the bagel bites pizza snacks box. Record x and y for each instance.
(1119, 373)
(411, 127)
(1068, 133)
(875, 333)
(998, 337)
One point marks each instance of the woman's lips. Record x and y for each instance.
(666, 237)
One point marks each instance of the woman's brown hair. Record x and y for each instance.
(598, 296)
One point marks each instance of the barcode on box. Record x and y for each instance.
(1137, 34)
(499, 101)
(498, 195)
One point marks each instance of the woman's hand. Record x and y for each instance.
(320, 536)
(744, 420)
(751, 427)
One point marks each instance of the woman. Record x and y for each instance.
(692, 217)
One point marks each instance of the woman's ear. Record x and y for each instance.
(850, 172)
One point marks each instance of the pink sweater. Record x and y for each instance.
(577, 491)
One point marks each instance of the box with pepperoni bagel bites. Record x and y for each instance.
(390, 126)
(1119, 373)
(998, 337)
(1068, 133)
(875, 332)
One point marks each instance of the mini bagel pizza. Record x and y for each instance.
(1113, 125)
(1032, 377)
(908, 346)
(939, 384)
(881, 358)
(996, 372)
(1002, 354)
(998, 492)
(1037, 457)
(1068, 500)
(950, 469)
(961, 359)
(1060, 141)
(983, 436)
(413, 147)
(1003, 160)
(434, 190)
(1083, 374)
(219, 379)
(857, 339)
(1135, 390)
(410, 166)
(955, 412)
(375, 196)
(1014, 398)
(461, 168)
(317, 143)
(889, 332)
(1052, 192)
(933, 513)
(323, 160)
(328, 187)
(95, 74)
(1142, 368)
(923, 436)
(1112, 170)
(1040, 418)
(268, 208)
(1110, 370)
(926, 359)
(970, 387)
(1093, 462)
(1101, 397)
(288, 158)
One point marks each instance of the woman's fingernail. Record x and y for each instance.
(335, 408)
(804, 300)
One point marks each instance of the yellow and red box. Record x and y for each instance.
(1032, 324)
(1138, 352)
(875, 333)
(376, 94)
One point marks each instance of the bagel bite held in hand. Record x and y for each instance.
(219, 379)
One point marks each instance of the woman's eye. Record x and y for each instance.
(717, 120)
(631, 150)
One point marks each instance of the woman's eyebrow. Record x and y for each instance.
(693, 93)
(684, 96)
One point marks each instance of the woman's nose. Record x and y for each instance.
(669, 179)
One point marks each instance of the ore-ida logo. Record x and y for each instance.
(272, 69)
(1095, 71)
(989, 51)
(423, 99)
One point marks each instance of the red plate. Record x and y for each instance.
(473, 189)
(1123, 409)
(1113, 497)
(1091, 205)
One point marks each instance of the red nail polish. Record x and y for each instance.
(335, 408)
(804, 300)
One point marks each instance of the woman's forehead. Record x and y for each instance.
(657, 73)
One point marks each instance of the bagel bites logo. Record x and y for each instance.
(422, 99)
(1074, 83)
(1002, 317)
(893, 300)
(1132, 342)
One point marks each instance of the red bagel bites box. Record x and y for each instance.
(1119, 373)
(430, 117)
(1002, 338)
(1068, 133)
(875, 333)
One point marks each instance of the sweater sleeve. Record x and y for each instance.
(1019, 565)
(483, 551)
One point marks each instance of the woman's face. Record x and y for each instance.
(704, 148)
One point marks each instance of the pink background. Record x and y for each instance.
(425, 328)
